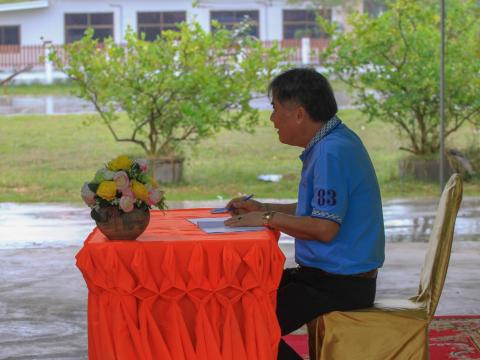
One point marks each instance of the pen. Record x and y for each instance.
(223, 210)
(244, 199)
(248, 197)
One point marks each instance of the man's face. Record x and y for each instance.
(285, 119)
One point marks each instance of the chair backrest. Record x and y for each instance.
(435, 266)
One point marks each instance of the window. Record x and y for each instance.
(9, 35)
(374, 8)
(153, 23)
(232, 19)
(76, 24)
(302, 23)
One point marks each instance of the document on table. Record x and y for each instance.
(216, 226)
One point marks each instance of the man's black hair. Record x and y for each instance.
(307, 88)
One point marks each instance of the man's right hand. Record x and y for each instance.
(240, 206)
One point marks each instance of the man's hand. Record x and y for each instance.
(239, 206)
(254, 218)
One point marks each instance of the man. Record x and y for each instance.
(337, 222)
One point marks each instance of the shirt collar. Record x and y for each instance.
(324, 131)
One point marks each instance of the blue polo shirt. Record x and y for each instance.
(339, 184)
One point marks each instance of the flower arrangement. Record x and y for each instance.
(123, 183)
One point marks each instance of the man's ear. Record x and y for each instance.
(301, 115)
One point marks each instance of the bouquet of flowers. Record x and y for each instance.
(123, 183)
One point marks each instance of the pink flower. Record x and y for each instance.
(87, 195)
(154, 196)
(128, 192)
(121, 180)
(142, 164)
(126, 203)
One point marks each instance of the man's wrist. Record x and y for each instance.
(267, 219)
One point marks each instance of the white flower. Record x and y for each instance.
(103, 174)
(87, 195)
(121, 180)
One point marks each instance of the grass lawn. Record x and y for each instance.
(47, 159)
(58, 88)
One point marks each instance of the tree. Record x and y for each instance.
(392, 62)
(183, 87)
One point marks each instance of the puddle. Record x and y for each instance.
(413, 220)
(59, 225)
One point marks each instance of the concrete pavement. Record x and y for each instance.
(43, 296)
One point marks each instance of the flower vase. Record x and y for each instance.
(118, 225)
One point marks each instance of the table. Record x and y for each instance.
(179, 293)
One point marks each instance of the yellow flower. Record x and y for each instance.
(122, 162)
(153, 182)
(139, 190)
(107, 190)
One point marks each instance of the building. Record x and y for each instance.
(25, 26)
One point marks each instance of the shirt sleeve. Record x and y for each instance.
(330, 189)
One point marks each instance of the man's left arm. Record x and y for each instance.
(302, 227)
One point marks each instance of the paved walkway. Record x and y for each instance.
(56, 104)
(43, 296)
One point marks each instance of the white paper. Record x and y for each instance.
(216, 226)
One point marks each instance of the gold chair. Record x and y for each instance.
(393, 329)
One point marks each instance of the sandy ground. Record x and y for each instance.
(43, 295)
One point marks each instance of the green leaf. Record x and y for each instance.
(176, 90)
(392, 63)
(93, 187)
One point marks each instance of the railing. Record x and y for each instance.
(300, 51)
(16, 57)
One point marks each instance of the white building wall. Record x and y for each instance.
(274, 16)
(201, 15)
(33, 24)
(48, 23)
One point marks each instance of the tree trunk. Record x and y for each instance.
(422, 169)
(167, 170)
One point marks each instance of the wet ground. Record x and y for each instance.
(43, 296)
(54, 104)
(58, 225)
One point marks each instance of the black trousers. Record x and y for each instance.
(306, 293)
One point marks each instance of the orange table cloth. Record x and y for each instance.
(178, 293)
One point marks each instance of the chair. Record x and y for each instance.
(393, 329)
